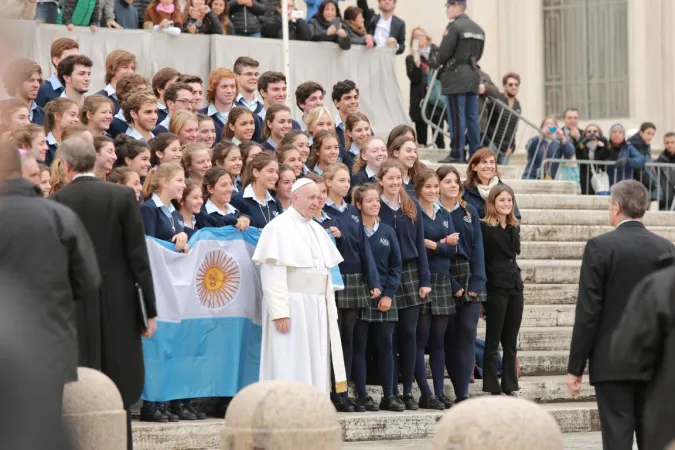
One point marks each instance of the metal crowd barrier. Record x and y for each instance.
(501, 127)
(658, 178)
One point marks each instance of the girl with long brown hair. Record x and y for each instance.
(404, 149)
(59, 113)
(401, 212)
(228, 156)
(357, 130)
(299, 140)
(256, 200)
(97, 114)
(240, 125)
(325, 151)
(278, 122)
(31, 138)
(468, 274)
(289, 156)
(504, 305)
(217, 190)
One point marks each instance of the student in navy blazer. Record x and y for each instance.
(357, 130)
(117, 64)
(277, 124)
(404, 149)
(241, 126)
(274, 91)
(402, 213)
(367, 164)
(380, 316)
(22, 81)
(177, 97)
(468, 276)
(255, 201)
(52, 87)
(395, 24)
(217, 190)
(358, 270)
(482, 175)
(125, 87)
(440, 240)
(220, 93)
(190, 207)
(60, 113)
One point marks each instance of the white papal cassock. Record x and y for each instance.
(295, 255)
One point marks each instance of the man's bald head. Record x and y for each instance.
(10, 162)
(306, 200)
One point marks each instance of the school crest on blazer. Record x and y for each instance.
(355, 218)
(384, 241)
(467, 219)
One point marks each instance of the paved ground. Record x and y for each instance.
(585, 441)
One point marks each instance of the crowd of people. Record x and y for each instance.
(422, 250)
(322, 21)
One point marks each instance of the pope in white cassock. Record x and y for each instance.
(300, 328)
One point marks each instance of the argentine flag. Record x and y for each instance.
(209, 301)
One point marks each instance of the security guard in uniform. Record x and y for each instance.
(459, 53)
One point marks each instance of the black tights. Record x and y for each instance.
(384, 334)
(431, 329)
(404, 345)
(347, 318)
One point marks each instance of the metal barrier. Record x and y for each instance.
(658, 178)
(502, 129)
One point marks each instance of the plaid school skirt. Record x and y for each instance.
(442, 301)
(461, 271)
(408, 292)
(371, 314)
(355, 294)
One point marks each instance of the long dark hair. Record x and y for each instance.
(446, 170)
(491, 217)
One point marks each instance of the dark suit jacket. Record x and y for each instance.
(111, 215)
(613, 264)
(397, 25)
(502, 247)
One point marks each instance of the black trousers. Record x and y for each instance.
(504, 314)
(621, 408)
(422, 131)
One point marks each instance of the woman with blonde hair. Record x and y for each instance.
(196, 161)
(97, 114)
(185, 125)
(319, 119)
(32, 139)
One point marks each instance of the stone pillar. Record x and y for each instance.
(497, 423)
(93, 412)
(281, 415)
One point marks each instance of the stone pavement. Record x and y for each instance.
(585, 441)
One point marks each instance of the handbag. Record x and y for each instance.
(599, 181)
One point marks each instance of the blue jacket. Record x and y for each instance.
(473, 198)
(353, 244)
(361, 177)
(410, 238)
(116, 103)
(260, 215)
(38, 115)
(117, 127)
(470, 244)
(440, 260)
(220, 126)
(158, 225)
(387, 257)
(47, 92)
(538, 150)
(627, 158)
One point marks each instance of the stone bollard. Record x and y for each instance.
(93, 413)
(497, 423)
(281, 415)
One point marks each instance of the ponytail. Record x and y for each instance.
(165, 172)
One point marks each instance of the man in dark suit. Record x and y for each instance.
(111, 215)
(613, 264)
(387, 29)
(50, 261)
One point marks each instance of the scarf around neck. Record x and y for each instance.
(484, 190)
(165, 9)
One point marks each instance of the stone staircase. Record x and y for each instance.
(556, 222)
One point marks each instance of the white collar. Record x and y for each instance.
(133, 132)
(158, 202)
(323, 218)
(241, 99)
(303, 125)
(120, 115)
(80, 175)
(318, 170)
(211, 208)
(110, 91)
(235, 141)
(305, 169)
(628, 220)
(341, 208)
(165, 122)
(387, 21)
(370, 232)
(354, 150)
(250, 193)
(160, 106)
(211, 110)
(386, 202)
(338, 121)
(370, 172)
(437, 207)
(272, 143)
(54, 81)
(63, 94)
(51, 140)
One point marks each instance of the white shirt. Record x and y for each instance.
(250, 193)
(628, 220)
(341, 208)
(110, 91)
(370, 232)
(386, 202)
(51, 140)
(211, 208)
(370, 172)
(33, 107)
(120, 115)
(382, 31)
(354, 150)
(241, 100)
(133, 132)
(211, 111)
(167, 210)
(338, 122)
(54, 81)
(88, 174)
(165, 122)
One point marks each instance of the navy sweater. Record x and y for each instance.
(410, 189)
(440, 260)
(387, 256)
(217, 220)
(38, 116)
(361, 177)
(473, 198)
(471, 244)
(353, 245)
(260, 215)
(158, 225)
(116, 104)
(47, 93)
(51, 154)
(117, 127)
(410, 238)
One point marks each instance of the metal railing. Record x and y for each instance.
(501, 127)
(594, 176)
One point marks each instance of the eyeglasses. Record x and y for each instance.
(184, 101)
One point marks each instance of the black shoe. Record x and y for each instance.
(199, 414)
(343, 406)
(461, 399)
(496, 393)
(431, 402)
(367, 403)
(511, 394)
(221, 408)
(356, 405)
(410, 403)
(446, 401)
(183, 412)
(171, 416)
(450, 160)
(392, 403)
(150, 412)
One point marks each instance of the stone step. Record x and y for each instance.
(551, 294)
(506, 172)
(578, 232)
(545, 316)
(560, 201)
(577, 217)
(541, 338)
(547, 271)
(542, 187)
(552, 250)
(370, 426)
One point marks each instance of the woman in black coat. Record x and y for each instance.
(327, 26)
(590, 142)
(418, 69)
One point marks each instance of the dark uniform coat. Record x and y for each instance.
(460, 51)
(111, 215)
(644, 343)
(47, 252)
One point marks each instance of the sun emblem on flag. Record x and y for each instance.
(218, 279)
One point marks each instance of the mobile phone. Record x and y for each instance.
(416, 45)
(552, 129)
(168, 24)
(297, 14)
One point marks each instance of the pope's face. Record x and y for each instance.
(306, 200)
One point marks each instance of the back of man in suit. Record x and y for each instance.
(112, 218)
(613, 264)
